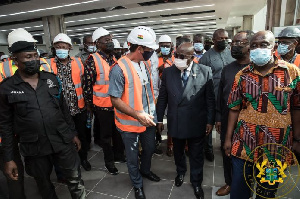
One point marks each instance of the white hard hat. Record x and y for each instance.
(116, 43)
(19, 34)
(143, 36)
(4, 57)
(229, 40)
(125, 45)
(164, 38)
(99, 32)
(61, 37)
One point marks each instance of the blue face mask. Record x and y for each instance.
(165, 51)
(283, 49)
(260, 56)
(62, 53)
(198, 47)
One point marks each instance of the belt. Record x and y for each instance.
(103, 108)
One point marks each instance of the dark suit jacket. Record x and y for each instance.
(189, 108)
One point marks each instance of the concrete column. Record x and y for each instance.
(290, 12)
(248, 22)
(52, 26)
(273, 14)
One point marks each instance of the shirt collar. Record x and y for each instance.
(19, 80)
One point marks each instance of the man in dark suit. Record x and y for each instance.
(187, 88)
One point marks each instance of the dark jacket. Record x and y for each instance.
(40, 118)
(189, 108)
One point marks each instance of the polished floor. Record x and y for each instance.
(101, 185)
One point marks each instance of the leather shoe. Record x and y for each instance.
(151, 176)
(223, 191)
(179, 180)
(86, 165)
(112, 170)
(139, 193)
(210, 156)
(198, 191)
(169, 152)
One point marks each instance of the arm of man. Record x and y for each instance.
(210, 102)
(116, 89)
(88, 81)
(162, 102)
(295, 113)
(235, 101)
(219, 104)
(6, 123)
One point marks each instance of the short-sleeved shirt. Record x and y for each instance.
(117, 83)
(265, 104)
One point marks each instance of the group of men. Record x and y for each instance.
(250, 93)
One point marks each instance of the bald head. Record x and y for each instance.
(185, 48)
(267, 36)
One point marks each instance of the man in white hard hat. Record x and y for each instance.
(131, 92)
(117, 49)
(70, 70)
(33, 109)
(96, 80)
(88, 48)
(125, 48)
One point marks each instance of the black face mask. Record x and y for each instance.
(237, 52)
(109, 47)
(118, 55)
(221, 45)
(207, 47)
(32, 67)
(147, 55)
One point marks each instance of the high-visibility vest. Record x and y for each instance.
(8, 68)
(169, 61)
(77, 71)
(100, 88)
(195, 60)
(296, 61)
(132, 96)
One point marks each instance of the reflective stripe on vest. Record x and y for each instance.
(77, 72)
(100, 88)
(132, 96)
(44, 65)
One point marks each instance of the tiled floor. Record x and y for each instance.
(99, 184)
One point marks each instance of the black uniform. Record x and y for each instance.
(45, 128)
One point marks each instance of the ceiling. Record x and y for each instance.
(170, 17)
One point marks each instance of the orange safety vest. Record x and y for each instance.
(77, 71)
(169, 61)
(132, 96)
(195, 60)
(100, 88)
(8, 68)
(296, 62)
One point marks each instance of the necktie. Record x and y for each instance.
(184, 78)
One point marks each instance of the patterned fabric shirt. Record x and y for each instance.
(264, 103)
(64, 73)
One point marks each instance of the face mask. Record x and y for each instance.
(283, 49)
(198, 47)
(165, 51)
(221, 45)
(207, 47)
(260, 56)
(32, 67)
(118, 55)
(181, 64)
(237, 52)
(62, 53)
(109, 47)
(147, 55)
(91, 49)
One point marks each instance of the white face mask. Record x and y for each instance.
(91, 49)
(181, 64)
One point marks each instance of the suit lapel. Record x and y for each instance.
(190, 84)
(177, 81)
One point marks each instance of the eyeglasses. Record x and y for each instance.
(183, 56)
(240, 43)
